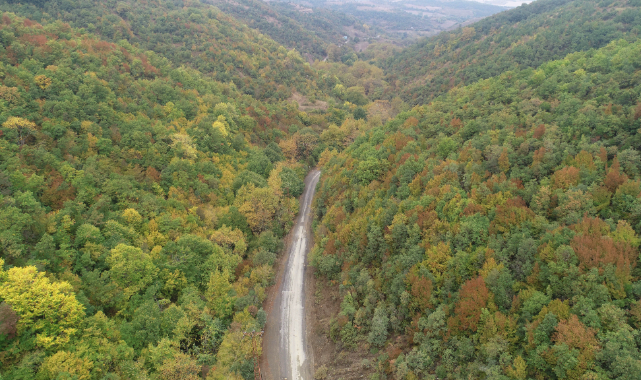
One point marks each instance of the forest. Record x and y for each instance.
(478, 214)
(151, 159)
(527, 36)
(144, 194)
(494, 232)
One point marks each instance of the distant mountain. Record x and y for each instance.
(410, 18)
(504, 3)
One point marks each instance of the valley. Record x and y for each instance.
(381, 190)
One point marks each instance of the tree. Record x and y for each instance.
(9, 321)
(504, 161)
(131, 269)
(575, 335)
(48, 310)
(23, 127)
(360, 113)
(101, 343)
(596, 248)
(614, 178)
(380, 322)
(437, 259)
(247, 177)
(180, 367)
(258, 205)
(64, 364)
(473, 298)
(420, 289)
(566, 177)
(291, 184)
(14, 222)
(218, 294)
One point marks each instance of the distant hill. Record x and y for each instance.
(526, 36)
(409, 19)
(294, 26)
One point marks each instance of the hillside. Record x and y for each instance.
(307, 30)
(187, 33)
(144, 193)
(493, 233)
(527, 36)
(153, 152)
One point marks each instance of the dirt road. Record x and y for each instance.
(285, 351)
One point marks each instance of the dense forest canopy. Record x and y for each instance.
(494, 233)
(186, 33)
(152, 154)
(151, 157)
(143, 193)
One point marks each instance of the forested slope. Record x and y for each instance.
(142, 202)
(308, 32)
(494, 233)
(187, 33)
(527, 36)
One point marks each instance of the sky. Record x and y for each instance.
(505, 3)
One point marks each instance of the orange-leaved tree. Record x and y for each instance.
(474, 296)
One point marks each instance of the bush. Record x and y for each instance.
(321, 373)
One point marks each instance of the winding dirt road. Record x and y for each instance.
(285, 353)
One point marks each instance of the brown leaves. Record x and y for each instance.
(474, 297)
(614, 178)
(504, 161)
(152, 174)
(8, 321)
(576, 335)
(566, 178)
(420, 289)
(513, 213)
(596, 248)
(539, 131)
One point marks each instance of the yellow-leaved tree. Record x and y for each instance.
(218, 295)
(258, 205)
(24, 127)
(48, 311)
(66, 365)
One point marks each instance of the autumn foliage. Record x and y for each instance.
(595, 249)
(421, 290)
(473, 297)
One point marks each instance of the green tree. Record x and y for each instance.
(218, 294)
(131, 269)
